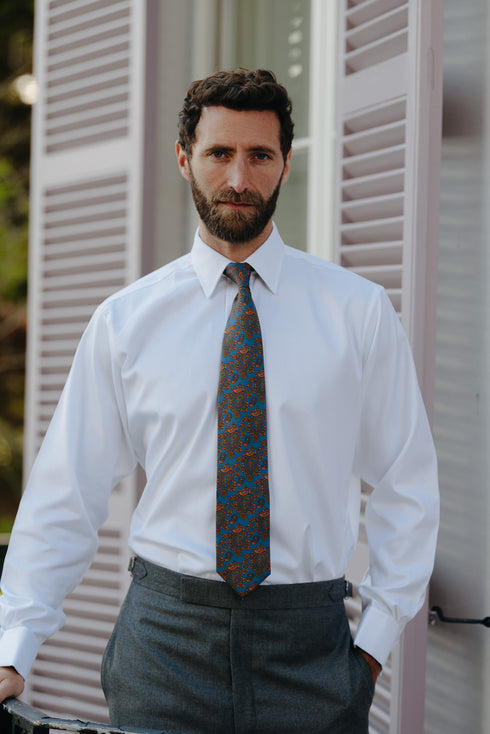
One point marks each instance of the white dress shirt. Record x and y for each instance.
(342, 404)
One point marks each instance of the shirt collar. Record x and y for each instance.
(266, 261)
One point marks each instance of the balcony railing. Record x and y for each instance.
(18, 718)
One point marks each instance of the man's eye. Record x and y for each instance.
(262, 156)
(218, 154)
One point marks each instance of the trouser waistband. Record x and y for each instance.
(212, 593)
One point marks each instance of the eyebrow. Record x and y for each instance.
(251, 149)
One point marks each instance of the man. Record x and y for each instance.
(235, 619)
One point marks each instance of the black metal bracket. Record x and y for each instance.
(437, 613)
(17, 717)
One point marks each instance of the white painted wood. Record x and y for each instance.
(323, 106)
(85, 243)
(389, 111)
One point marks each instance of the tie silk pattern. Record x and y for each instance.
(242, 507)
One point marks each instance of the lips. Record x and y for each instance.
(231, 198)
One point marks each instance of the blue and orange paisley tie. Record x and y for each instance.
(242, 508)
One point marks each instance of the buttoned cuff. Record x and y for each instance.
(18, 647)
(377, 633)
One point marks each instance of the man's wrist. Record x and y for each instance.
(377, 632)
(374, 665)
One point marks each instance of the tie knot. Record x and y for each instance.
(239, 273)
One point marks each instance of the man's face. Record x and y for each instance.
(236, 170)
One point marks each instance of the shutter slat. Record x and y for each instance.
(63, 9)
(378, 184)
(101, 594)
(107, 110)
(86, 266)
(378, 231)
(96, 138)
(70, 638)
(73, 57)
(63, 229)
(92, 67)
(383, 136)
(80, 35)
(73, 93)
(61, 347)
(377, 52)
(377, 28)
(51, 381)
(50, 398)
(85, 658)
(69, 25)
(374, 208)
(97, 129)
(74, 197)
(54, 364)
(86, 103)
(76, 236)
(86, 213)
(375, 117)
(88, 242)
(388, 253)
(372, 162)
(362, 11)
(82, 675)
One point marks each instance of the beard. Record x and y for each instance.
(237, 226)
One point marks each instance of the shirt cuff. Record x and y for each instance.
(18, 648)
(376, 634)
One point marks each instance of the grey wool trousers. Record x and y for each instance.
(188, 656)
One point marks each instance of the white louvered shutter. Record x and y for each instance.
(389, 110)
(85, 243)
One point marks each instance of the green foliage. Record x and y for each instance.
(14, 205)
(16, 24)
(10, 468)
(6, 524)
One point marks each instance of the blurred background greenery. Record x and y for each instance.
(16, 32)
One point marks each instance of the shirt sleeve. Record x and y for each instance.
(396, 456)
(85, 453)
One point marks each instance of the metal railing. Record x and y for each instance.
(17, 717)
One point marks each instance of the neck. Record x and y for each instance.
(237, 252)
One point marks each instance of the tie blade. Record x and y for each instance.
(242, 511)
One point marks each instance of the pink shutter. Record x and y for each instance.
(389, 111)
(85, 243)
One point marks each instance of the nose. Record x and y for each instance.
(239, 174)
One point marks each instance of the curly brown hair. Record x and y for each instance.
(239, 89)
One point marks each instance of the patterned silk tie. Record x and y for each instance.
(242, 507)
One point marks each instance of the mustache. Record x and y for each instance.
(229, 196)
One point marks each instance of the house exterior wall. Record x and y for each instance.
(163, 232)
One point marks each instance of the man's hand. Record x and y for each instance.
(375, 667)
(11, 683)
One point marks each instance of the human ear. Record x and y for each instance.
(287, 167)
(182, 160)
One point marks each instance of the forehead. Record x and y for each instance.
(220, 126)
